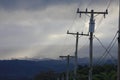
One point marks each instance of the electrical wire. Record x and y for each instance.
(107, 50)
(99, 23)
(70, 26)
(101, 19)
(89, 4)
(73, 22)
(105, 47)
(109, 4)
(105, 54)
(103, 57)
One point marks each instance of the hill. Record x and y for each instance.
(27, 69)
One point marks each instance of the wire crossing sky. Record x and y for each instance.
(37, 28)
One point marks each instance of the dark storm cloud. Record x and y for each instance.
(32, 4)
(42, 4)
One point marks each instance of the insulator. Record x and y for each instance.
(77, 10)
(67, 31)
(106, 11)
(86, 9)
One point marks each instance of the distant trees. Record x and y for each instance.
(105, 72)
(105, 76)
(102, 72)
(50, 75)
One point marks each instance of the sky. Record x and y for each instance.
(37, 28)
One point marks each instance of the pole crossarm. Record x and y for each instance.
(77, 33)
(91, 12)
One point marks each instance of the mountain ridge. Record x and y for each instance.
(26, 69)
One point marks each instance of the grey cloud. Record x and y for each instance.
(54, 51)
(43, 4)
(31, 4)
(29, 23)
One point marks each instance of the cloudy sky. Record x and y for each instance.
(37, 28)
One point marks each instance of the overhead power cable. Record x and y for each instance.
(101, 19)
(73, 22)
(109, 3)
(107, 50)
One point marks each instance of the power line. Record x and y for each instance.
(89, 4)
(73, 22)
(101, 59)
(105, 47)
(107, 50)
(109, 3)
(101, 19)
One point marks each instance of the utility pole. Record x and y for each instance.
(118, 70)
(76, 52)
(91, 31)
(68, 61)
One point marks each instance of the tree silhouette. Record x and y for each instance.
(50, 75)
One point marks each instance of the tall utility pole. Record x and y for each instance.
(118, 71)
(91, 31)
(68, 61)
(76, 52)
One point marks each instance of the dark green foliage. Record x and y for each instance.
(101, 72)
(105, 76)
(50, 75)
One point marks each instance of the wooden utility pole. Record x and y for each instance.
(76, 52)
(68, 61)
(118, 70)
(91, 31)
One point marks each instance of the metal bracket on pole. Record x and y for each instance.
(78, 33)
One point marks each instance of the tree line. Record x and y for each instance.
(100, 72)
